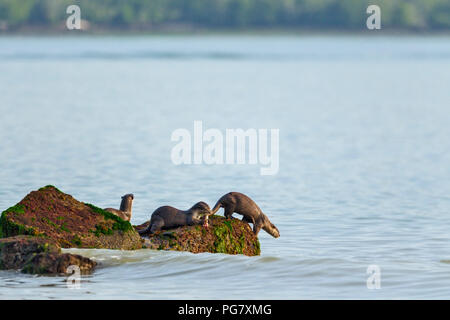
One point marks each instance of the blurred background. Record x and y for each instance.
(364, 175)
(189, 15)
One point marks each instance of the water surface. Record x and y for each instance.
(364, 157)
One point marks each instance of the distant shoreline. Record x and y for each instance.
(38, 31)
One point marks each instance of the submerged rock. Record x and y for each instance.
(57, 216)
(38, 255)
(51, 263)
(231, 236)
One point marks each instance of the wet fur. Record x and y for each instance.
(242, 204)
(168, 217)
(125, 207)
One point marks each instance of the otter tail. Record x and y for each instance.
(216, 208)
(143, 231)
(146, 230)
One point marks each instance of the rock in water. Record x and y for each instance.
(231, 236)
(60, 219)
(57, 216)
(51, 263)
(38, 255)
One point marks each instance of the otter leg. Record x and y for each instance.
(157, 225)
(256, 228)
(229, 212)
(248, 220)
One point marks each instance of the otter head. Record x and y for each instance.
(126, 204)
(201, 209)
(269, 227)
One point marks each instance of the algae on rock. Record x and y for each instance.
(230, 236)
(37, 255)
(50, 213)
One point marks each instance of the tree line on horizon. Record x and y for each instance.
(430, 15)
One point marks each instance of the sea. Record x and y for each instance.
(361, 195)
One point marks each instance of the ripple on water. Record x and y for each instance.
(359, 183)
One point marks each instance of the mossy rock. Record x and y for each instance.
(230, 236)
(38, 255)
(52, 214)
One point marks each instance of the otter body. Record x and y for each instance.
(242, 204)
(125, 207)
(168, 217)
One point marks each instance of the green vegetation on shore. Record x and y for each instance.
(155, 15)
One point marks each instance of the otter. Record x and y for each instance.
(125, 207)
(167, 217)
(242, 204)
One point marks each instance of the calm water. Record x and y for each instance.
(364, 157)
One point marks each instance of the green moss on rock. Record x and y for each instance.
(119, 223)
(9, 228)
(223, 236)
(225, 242)
(102, 229)
(77, 241)
(50, 213)
(37, 255)
(47, 187)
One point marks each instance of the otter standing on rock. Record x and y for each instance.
(125, 207)
(167, 217)
(242, 204)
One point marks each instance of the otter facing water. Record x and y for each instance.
(167, 217)
(242, 204)
(125, 207)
